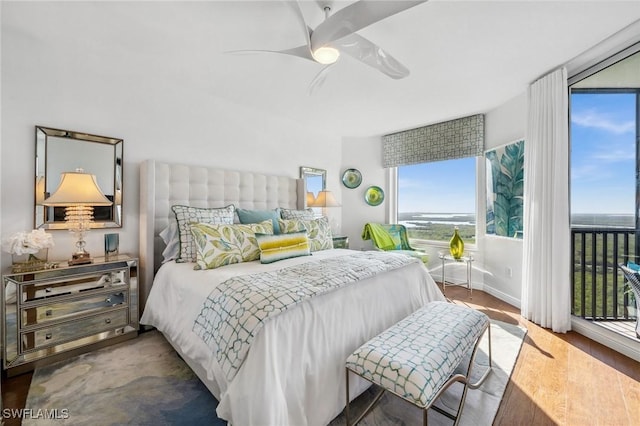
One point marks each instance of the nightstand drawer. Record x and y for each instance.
(69, 286)
(60, 333)
(55, 311)
(341, 242)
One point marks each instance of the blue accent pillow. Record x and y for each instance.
(257, 216)
(633, 266)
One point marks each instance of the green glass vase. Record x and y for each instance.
(456, 245)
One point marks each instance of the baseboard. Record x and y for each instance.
(502, 296)
(607, 338)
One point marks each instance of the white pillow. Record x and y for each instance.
(170, 237)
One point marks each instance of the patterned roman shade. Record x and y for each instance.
(459, 138)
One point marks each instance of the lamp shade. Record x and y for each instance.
(40, 190)
(76, 189)
(310, 199)
(325, 199)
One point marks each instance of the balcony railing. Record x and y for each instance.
(598, 288)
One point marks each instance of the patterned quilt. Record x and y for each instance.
(237, 309)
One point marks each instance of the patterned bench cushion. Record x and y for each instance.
(414, 358)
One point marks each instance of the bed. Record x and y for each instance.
(292, 373)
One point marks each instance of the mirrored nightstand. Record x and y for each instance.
(52, 314)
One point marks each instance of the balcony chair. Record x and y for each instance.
(634, 281)
(392, 237)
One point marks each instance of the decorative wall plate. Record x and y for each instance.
(352, 178)
(374, 196)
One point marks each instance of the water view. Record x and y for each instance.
(603, 220)
(439, 226)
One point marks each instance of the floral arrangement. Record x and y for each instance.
(28, 242)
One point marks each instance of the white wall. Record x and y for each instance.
(364, 154)
(166, 117)
(502, 257)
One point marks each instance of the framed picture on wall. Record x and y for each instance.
(505, 190)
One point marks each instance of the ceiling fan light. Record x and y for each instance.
(326, 55)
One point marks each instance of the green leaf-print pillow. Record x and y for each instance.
(219, 244)
(318, 231)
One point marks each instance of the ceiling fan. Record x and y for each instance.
(337, 35)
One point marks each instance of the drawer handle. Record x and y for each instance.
(48, 290)
(48, 313)
(48, 336)
(107, 321)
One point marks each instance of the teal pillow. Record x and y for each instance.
(257, 216)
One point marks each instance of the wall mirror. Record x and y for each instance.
(59, 151)
(315, 180)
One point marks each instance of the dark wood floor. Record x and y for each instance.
(559, 379)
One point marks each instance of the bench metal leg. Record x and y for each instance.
(477, 384)
(346, 407)
(366, 410)
(464, 379)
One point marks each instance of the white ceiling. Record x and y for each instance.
(465, 57)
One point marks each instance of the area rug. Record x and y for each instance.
(144, 382)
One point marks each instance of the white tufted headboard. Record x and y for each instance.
(163, 184)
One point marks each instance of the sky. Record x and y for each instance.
(438, 187)
(603, 153)
(602, 164)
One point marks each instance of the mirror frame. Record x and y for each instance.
(306, 172)
(41, 213)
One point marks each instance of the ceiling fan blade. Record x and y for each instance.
(319, 79)
(355, 17)
(300, 51)
(295, 7)
(371, 54)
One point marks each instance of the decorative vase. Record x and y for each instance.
(456, 245)
(29, 261)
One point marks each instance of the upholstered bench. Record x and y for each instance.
(417, 358)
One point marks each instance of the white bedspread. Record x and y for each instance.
(294, 371)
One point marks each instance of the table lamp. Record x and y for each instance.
(311, 198)
(78, 192)
(325, 198)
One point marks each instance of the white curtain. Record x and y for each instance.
(546, 291)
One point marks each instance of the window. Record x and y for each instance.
(434, 197)
(604, 129)
(603, 158)
(604, 123)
